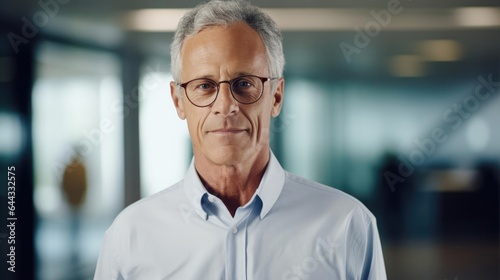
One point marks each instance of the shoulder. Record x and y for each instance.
(308, 194)
(149, 207)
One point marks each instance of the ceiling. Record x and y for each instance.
(315, 53)
(100, 6)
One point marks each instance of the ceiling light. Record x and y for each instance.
(154, 20)
(333, 19)
(406, 66)
(318, 19)
(440, 50)
(478, 16)
(165, 20)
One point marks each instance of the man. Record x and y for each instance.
(237, 214)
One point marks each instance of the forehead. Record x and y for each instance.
(217, 50)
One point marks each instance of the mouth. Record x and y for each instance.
(227, 131)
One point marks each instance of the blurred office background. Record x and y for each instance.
(396, 103)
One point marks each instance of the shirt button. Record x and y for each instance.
(211, 199)
(234, 230)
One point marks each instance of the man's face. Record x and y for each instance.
(227, 132)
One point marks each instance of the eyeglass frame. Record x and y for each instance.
(230, 83)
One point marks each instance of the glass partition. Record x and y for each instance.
(78, 156)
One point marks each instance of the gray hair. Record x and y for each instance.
(217, 13)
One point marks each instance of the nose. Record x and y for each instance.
(225, 104)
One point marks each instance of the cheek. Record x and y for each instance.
(262, 122)
(195, 120)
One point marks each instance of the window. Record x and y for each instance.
(78, 156)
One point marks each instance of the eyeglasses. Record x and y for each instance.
(246, 89)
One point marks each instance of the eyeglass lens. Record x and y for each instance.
(246, 89)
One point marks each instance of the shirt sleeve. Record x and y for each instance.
(365, 260)
(108, 263)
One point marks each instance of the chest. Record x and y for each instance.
(255, 250)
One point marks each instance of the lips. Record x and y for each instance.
(227, 130)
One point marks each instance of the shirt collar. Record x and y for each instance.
(268, 191)
(195, 190)
(271, 185)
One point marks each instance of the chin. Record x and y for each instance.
(227, 155)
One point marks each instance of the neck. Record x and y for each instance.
(234, 184)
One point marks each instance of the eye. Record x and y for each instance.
(202, 85)
(243, 83)
(205, 86)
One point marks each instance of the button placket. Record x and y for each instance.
(236, 246)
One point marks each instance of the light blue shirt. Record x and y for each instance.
(292, 228)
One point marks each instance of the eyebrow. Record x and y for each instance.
(243, 74)
(212, 77)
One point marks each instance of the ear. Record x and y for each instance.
(179, 106)
(278, 98)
